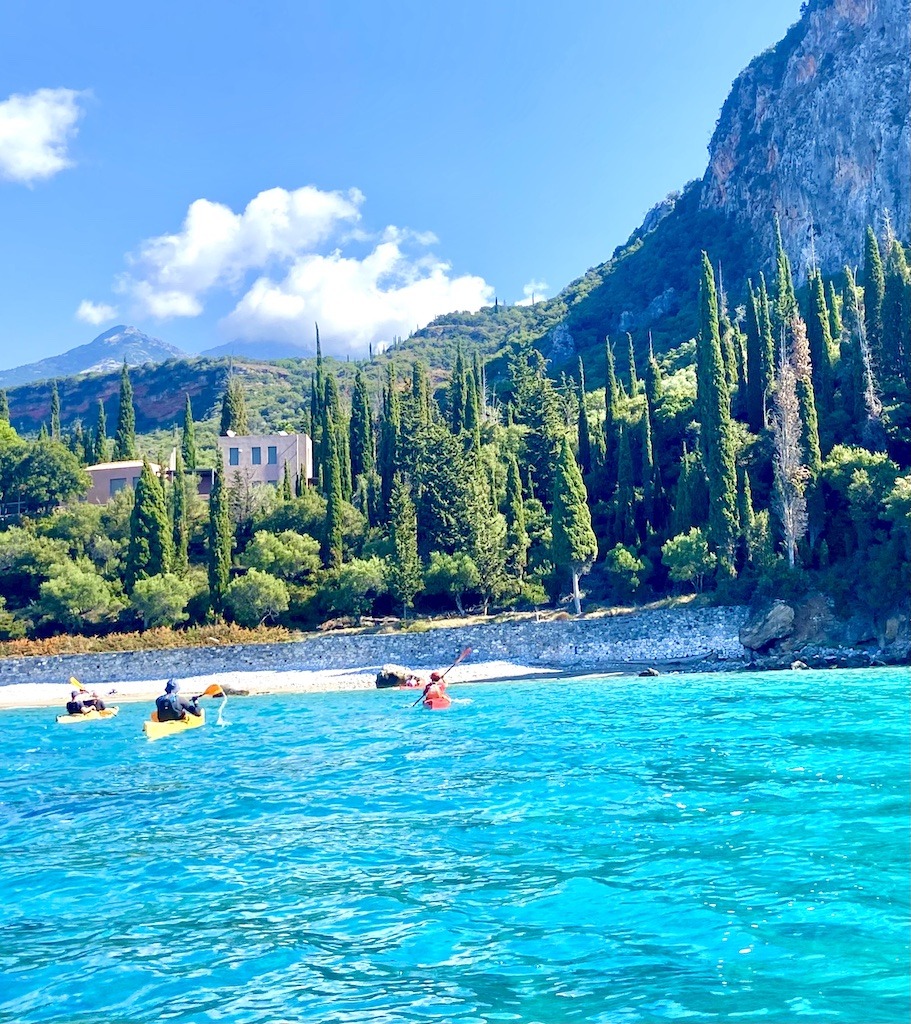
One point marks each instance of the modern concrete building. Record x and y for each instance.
(109, 478)
(261, 458)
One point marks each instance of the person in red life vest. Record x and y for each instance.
(436, 687)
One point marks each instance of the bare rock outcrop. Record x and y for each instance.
(767, 626)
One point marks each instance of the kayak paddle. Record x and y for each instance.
(461, 657)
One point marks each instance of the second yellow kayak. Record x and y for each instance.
(89, 716)
(155, 730)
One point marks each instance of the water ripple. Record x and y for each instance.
(702, 848)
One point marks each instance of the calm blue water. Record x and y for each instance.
(709, 848)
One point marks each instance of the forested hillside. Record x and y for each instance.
(768, 456)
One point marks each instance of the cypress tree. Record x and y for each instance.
(179, 520)
(43, 435)
(151, 548)
(624, 494)
(574, 543)
(835, 325)
(458, 386)
(220, 541)
(820, 341)
(767, 339)
(756, 383)
(287, 490)
(405, 577)
(332, 543)
(806, 398)
(387, 462)
(874, 293)
(684, 512)
(585, 441)
(125, 437)
(188, 438)
(854, 363)
(713, 403)
(55, 412)
(4, 407)
(487, 537)
(896, 315)
(633, 374)
(650, 484)
(785, 300)
(652, 377)
(100, 450)
(420, 393)
(611, 403)
(472, 409)
(361, 428)
(516, 533)
(233, 409)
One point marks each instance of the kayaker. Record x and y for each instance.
(171, 707)
(81, 702)
(436, 687)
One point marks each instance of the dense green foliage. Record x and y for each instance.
(764, 452)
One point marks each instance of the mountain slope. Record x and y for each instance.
(107, 352)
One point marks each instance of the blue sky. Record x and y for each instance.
(210, 171)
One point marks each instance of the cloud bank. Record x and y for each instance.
(35, 130)
(295, 257)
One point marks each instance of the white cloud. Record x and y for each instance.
(355, 301)
(534, 291)
(34, 133)
(95, 312)
(285, 254)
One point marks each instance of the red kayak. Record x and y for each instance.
(439, 703)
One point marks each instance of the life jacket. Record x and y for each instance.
(168, 708)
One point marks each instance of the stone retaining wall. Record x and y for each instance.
(641, 637)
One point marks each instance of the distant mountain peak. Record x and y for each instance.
(106, 352)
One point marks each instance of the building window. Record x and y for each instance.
(117, 483)
(272, 455)
(257, 454)
(234, 456)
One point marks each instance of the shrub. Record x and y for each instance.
(256, 597)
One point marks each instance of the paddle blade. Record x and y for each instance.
(213, 691)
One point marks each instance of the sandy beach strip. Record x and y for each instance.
(54, 694)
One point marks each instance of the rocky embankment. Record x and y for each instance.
(808, 634)
(692, 639)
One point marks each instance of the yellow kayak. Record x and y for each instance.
(155, 730)
(89, 716)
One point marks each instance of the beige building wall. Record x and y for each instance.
(261, 458)
(108, 478)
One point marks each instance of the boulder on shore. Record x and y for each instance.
(391, 675)
(767, 625)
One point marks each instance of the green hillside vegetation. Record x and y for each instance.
(765, 452)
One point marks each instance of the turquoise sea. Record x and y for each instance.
(700, 848)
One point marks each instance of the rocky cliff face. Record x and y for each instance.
(818, 130)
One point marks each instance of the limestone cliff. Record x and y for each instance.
(818, 130)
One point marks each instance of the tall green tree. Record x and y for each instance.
(785, 299)
(179, 517)
(652, 377)
(820, 341)
(287, 487)
(332, 544)
(516, 533)
(188, 438)
(151, 547)
(757, 383)
(806, 396)
(458, 388)
(611, 404)
(584, 431)
(361, 428)
(55, 412)
(100, 449)
(717, 436)
(896, 314)
(220, 541)
(233, 409)
(387, 462)
(405, 577)
(574, 545)
(487, 538)
(624, 494)
(125, 437)
(874, 294)
(4, 407)
(633, 373)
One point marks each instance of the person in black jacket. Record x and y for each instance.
(171, 707)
